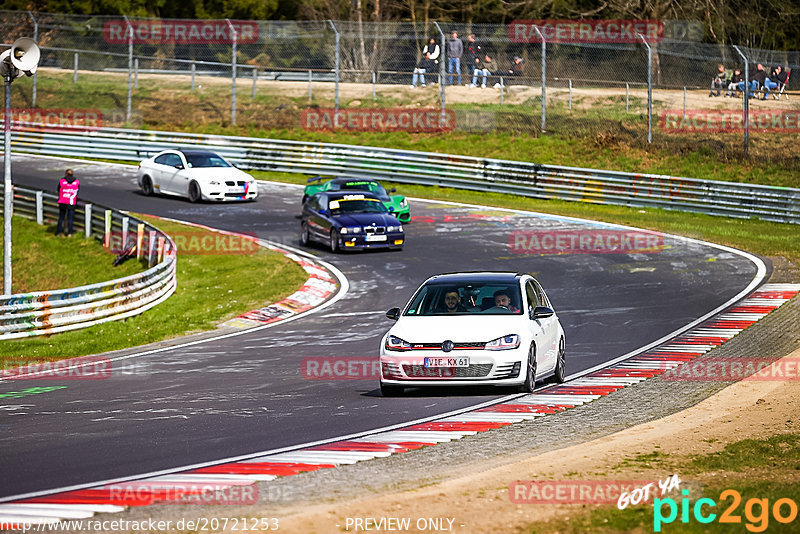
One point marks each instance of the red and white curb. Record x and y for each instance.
(196, 483)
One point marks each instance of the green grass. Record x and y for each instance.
(756, 468)
(211, 289)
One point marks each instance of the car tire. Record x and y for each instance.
(334, 241)
(304, 234)
(391, 390)
(194, 192)
(530, 372)
(147, 186)
(560, 372)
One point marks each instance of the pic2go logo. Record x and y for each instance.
(756, 511)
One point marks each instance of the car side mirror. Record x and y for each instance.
(179, 165)
(393, 314)
(393, 190)
(542, 312)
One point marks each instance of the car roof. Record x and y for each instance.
(487, 276)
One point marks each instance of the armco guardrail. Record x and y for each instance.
(49, 312)
(480, 174)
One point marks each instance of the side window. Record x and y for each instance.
(173, 160)
(533, 299)
(162, 159)
(322, 203)
(541, 296)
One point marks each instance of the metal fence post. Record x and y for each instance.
(130, 69)
(336, 58)
(443, 58)
(310, 77)
(544, 78)
(746, 102)
(136, 73)
(107, 232)
(125, 226)
(35, 38)
(194, 68)
(627, 96)
(684, 102)
(151, 247)
(39, 208)
(234, 37)
(8, 189)
(139, 240)
(87, 220)
(374, 81)
(649, 88)
(75, 68)
(255, 79)
(502, 90)
(570, 94)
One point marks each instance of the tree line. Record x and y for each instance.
(755, 23)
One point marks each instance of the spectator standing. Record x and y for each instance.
(484, 68)
(472, 55)
(428, 63)
(68, 187)
(455, 49)
(720, 81)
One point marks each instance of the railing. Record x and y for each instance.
(779, 204)
(49, 312)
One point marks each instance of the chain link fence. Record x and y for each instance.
(352, 75)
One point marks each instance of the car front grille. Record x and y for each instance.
(456, 346)
(475, 370)
(231, 183)
(375, 229)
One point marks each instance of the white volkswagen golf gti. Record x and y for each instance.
(195, 174)
(467, 329)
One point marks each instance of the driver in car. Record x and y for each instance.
(502, 300)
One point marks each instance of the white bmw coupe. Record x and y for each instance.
(195, 174)
(467, 329)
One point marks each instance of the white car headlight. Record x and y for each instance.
(508, 342)
(213, 182)
(395, 343)
(351, 230)
(398, 228)
(403, 203)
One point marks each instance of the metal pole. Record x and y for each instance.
(310, 76)
(649, 88)
(233, 72)
(130, 69)
(746, 104)
(544, 78)
(374, 80)
(136, 73)
(443, 58)
(8, 191)
(35, 38)
(336, 96)
(684, 103)
(627, 95)
(502, 90)
(570, 94)
(75, 69)
(193, 71)
(255, 79)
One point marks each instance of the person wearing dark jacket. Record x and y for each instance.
(756, 81)
(778, 78)
(472, 55)
(455, 49)
(734, 83)
(428, 63)
(68, 188)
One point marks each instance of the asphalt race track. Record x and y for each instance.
(245, 394)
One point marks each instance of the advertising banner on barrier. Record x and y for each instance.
(586, 31)
(176, 31)
(378, 120)
(49, 119)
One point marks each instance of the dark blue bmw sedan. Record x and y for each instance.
(350, 221)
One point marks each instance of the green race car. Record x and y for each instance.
(396, 204)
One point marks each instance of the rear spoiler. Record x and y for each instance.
(315, 179)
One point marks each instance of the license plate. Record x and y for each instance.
(236, 190)
(462, 361)
(370, 237)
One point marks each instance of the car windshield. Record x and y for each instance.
(489, 297)
(356, 204)
(205, 159)
(362, 185)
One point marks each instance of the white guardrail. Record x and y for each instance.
(779, 204)
(50, 312)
